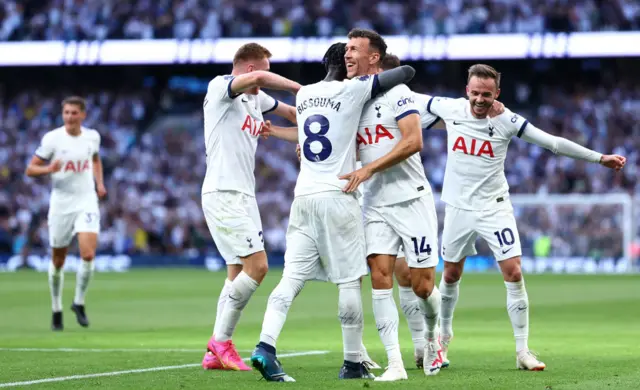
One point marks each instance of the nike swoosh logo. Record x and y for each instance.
(503, 252)
(245, 100)
(420, 261)
(456, 123)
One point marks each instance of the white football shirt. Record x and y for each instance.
(427, 119)
(476, 150)
(328, 113)
(232, 126)
(378, 134)
(73, 185)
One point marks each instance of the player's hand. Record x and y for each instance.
(55, 166)
(613, 161)
(266, 131)
(496, 109)
(298, 152)
(102, 192)
(356, 178)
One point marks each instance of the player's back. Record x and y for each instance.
(328, 113)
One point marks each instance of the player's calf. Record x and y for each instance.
(352, 321)
(517, 302)
(87, 242)
(56, 284)
(429, 301)
(385, 311)
(449, 291)
(411, 310)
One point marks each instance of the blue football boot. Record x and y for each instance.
(351, 370)
(264, 360)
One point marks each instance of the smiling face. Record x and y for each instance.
(360, 57)
(482, 92)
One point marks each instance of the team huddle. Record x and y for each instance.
(362, 203)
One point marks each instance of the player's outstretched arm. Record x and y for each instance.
(98, 175)
(285, 133)
(286, 111)
(39, 167)
(390, 78)
(564, 147)
(262, 79)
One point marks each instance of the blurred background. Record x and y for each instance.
(569, 66)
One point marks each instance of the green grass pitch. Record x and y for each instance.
(585, 328)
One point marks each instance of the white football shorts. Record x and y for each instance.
(412, 225)
(497, 227)
(62, 227)
(325, 239)
(234, 222)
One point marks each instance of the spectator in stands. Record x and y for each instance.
(186, 19)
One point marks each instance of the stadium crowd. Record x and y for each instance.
(183, 19)
(154, 178)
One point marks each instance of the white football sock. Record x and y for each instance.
(430, 309)
(386, 314)
(222, 299)
(277, 308)
(83, 277)
(415, 319)
(56, 284)
(449, 293)
(364, 352)
(242, 288)
(351, 319)
(518, 308)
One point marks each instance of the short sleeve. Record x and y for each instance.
(267, 103)
(46, 148)
(427, 119)
(96, 142)
(363, 88)
(439, 106)
(219, 89)
(513, 123)
(402, 100)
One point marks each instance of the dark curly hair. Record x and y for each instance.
(334, 58)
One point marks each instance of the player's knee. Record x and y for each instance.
(381, 271)
(256, 266)
(513, 274)
(58, 256)
(381, 280)
(87, 254)
(423, 287)
(257, 271)
(403, 275)
(452, 272)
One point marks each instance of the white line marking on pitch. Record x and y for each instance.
(140, 370)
